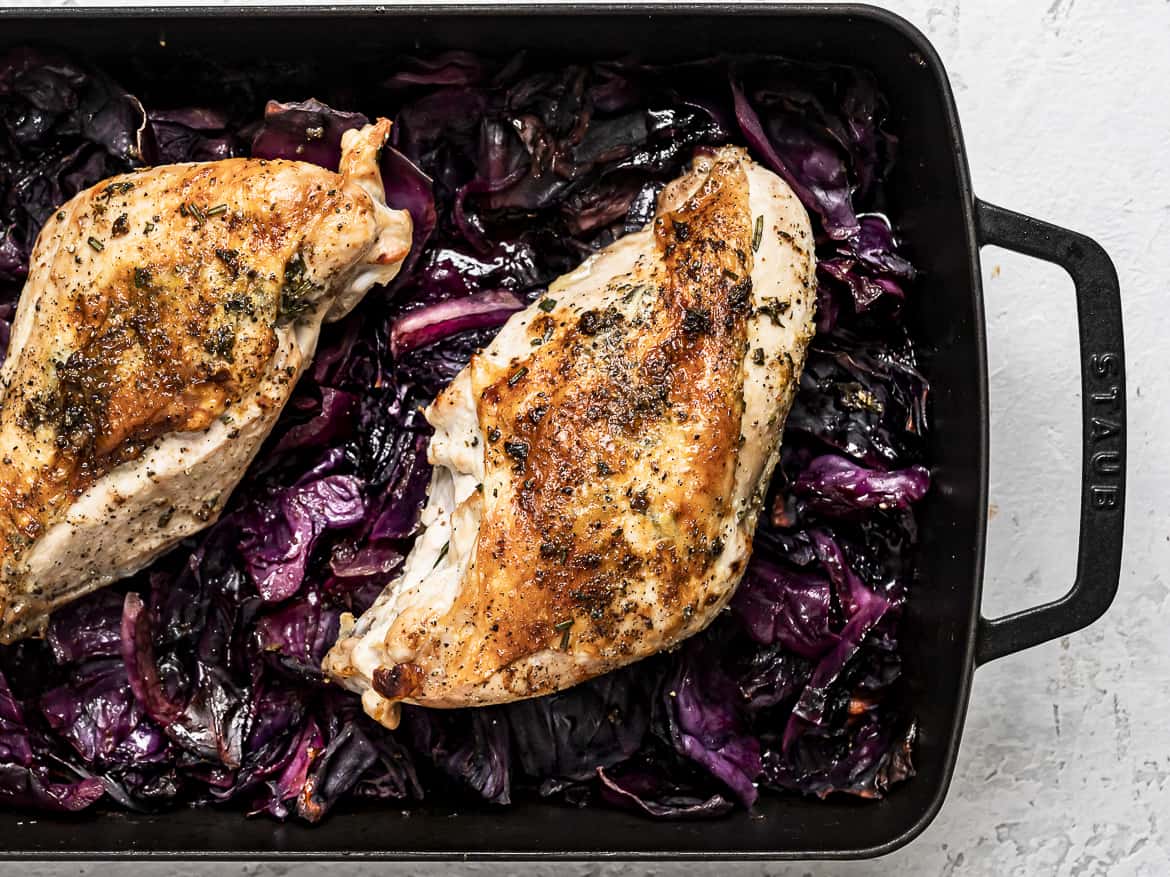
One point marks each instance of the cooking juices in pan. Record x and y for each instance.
(205, 686)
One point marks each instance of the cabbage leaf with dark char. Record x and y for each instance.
(198, 680)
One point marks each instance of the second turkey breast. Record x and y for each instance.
(164, 324)
(600, 466)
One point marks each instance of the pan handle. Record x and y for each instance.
(1103, 413)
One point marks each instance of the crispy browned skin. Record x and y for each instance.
(592, 402)
(599, 467)
(155, 306)
(570, 429)
(153, 349)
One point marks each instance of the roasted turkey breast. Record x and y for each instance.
(167, 315)
(599, 467)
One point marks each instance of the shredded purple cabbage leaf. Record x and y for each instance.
(198, 680)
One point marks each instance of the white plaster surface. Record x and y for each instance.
(1065, 763)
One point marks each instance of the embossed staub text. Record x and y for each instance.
(1106, 463)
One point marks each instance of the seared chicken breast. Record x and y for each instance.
(167, 315)
(599, 467)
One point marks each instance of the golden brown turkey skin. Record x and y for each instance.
(618, 446)
(166, 317)
(600, 465)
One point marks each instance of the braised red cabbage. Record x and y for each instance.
(198, 680)
(426, 325)
(836, 486)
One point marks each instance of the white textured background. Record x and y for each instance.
(1065, 763)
